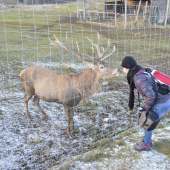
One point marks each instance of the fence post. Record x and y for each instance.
(84, 13)
(167, 11)
(104, 10)
(137, 13)
(88, 8)
(97, 7)
(116, 13)
(77, 9)
(125, 14)
(150, 12)
(144, 17)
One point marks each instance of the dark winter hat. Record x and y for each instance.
(128, 62)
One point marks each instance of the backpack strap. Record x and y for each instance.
(154, 89)
(138, 92)
(148, 71)
(153, 80)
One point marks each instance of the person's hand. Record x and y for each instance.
(141, 109)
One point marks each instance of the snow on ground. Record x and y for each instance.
(40, 144)
(18, 136)
(130, 159)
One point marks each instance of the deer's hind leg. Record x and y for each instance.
(29, 90)
(36, 101)
(26, 99)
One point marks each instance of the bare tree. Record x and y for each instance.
(67, 89)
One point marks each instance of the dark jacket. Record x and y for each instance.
(144, 86)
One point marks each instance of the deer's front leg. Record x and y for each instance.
(71, 119)
(68, 120)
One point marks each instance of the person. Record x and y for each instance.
(144, 85)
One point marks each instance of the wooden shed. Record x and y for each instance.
(132, 5)
(158, 11)
(156, 8)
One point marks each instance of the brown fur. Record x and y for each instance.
(64, 88)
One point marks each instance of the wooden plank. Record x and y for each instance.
(84, 12)
(138, 13)
(146, 6)
(167, 11)
(77, 9)
(104, 10)
(116, 13)
(125, 14)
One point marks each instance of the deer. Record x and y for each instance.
(67, 89)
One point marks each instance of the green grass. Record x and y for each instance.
(10, 2)
(163, 146)
(32, 43)
(120, 136)
(96, 156)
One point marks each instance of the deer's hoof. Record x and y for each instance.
(28, 117)
(69, 135)
(45, 117)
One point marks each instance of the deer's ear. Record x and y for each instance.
(89, 64)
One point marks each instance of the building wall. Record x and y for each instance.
(158, 11)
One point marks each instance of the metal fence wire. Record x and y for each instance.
(61, 59)
(154, 12)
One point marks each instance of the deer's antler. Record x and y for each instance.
(101, 55)
(66, 46)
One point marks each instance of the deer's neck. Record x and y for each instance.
(88, 81)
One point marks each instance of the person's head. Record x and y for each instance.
(127, 63)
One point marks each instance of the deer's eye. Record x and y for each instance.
(101, 67)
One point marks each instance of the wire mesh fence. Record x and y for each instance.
(125, 14)
(68, 79)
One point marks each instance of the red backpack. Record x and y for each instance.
(161, 77)
(163, 81)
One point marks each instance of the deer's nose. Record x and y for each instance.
(119, 70)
